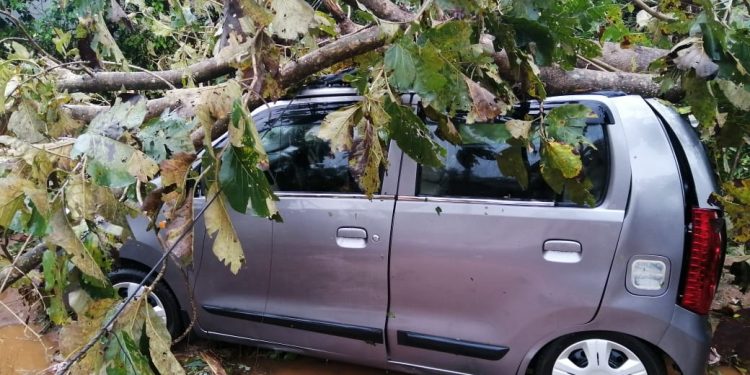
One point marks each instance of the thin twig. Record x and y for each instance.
(28, 36)
(591, 62)
(609, 67)
(655, 13)
(735, 163)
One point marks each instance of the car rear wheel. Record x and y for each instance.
(125, 281)
(599, 353)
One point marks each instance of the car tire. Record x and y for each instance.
(126, 280)
(570, 355)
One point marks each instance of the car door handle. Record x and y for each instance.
(562, 251)
(351, 237)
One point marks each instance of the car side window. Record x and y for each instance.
(471, 169)
(299, 160)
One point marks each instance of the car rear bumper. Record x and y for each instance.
(687, 341)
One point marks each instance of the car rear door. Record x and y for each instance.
(480, 266)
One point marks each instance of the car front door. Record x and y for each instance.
(220, 295)
(480, 266)
(328, 280)
(328, 288)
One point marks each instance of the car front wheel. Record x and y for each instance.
(599, 353)
(125, 281)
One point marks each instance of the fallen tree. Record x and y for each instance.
(81, 131)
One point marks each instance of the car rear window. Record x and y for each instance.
(471, 170)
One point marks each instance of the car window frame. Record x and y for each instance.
(391, 175)
(614, 195)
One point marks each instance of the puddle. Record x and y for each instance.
(22, 352)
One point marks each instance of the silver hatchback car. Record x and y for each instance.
(458, 270)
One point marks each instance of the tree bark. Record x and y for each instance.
(25, 263)
(346, 25)
(113, 81)
(387, 10)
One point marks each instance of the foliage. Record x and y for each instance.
(73, 181)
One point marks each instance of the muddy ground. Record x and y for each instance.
(32, 349)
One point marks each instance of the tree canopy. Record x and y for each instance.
(101, 98)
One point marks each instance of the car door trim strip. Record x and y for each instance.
(453, 346)
(367, 334)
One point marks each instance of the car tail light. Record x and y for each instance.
(704, 256)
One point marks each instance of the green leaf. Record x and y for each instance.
(580, 192)
(701, 99)
(562, 157)
(554, 178)
(26, 124)
(519, 129)
(446, 129)
(126, 356)
(112, 163)
(165, 136)
(530, 33)
(259, 14)
(337, 127)
(568, 122)
(485, 105)
(242, 182)
(401, 64)
(55, 280)
(107, 44)
(240, 175)
(738, 95)
(62, 235)
(293, 18)
(226, 247)
(413, 136)
(122, 117)
(511, 163)
(451, 39)
(160, 343)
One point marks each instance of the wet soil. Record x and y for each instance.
(23, 348)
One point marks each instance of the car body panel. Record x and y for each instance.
(471, 272)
